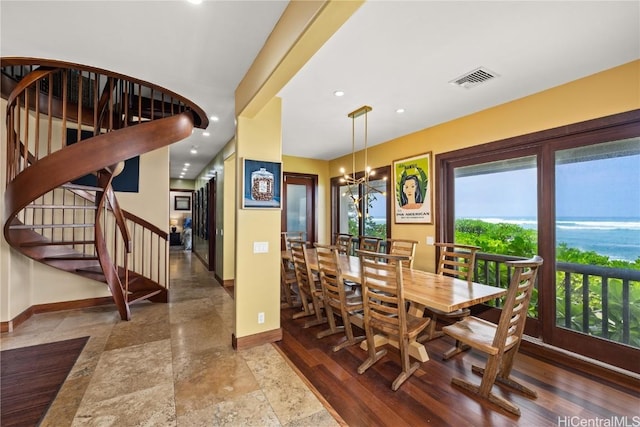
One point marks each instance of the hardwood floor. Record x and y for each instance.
(31, 377)
(565, 398)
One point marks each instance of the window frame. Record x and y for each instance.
(543, 145)
(383, 171)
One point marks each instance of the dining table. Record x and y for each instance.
(422, 289)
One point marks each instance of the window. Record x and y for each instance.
(496, 209)
(597, 223)
(571, 195)
(375, 210)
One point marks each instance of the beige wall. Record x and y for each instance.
(228, 254)
(609, 92)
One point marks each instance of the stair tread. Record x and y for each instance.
(70, 257)
(35, 226)
(58, 243)
(81, 187)
(46, 206)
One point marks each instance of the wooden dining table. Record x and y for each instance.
(422, 289)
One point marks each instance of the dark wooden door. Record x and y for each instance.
(299, 204)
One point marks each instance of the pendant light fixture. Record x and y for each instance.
(359, 188)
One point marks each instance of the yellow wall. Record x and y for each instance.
(320, 168)
(257, 275)
(182, 184)
(609, 92)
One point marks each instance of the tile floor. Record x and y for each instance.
(171, 365)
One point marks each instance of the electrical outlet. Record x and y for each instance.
(429, 240)
(261, 318)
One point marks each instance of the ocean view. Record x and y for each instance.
(617, 238)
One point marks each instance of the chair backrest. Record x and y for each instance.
(457, 260)
(287, 236)
(301, 267)
(382, 291)
(369, 243)
(516, 304)
(343, 242)
(403, 247)
(330, 275)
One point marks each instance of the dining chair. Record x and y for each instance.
(344, 242)
(500, 342)
(403, 247)
(369, 243)
(456, 260)
(337, 300)
(288, 284)
(308, 284)
(385, 310)
(287, 236)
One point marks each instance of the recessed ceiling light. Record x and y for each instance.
(193, 151)
(338, 93)
(195, 1)
(400, 110)
(214, 118)
(205, 134)
(187, 164)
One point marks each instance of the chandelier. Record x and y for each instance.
(359, 188)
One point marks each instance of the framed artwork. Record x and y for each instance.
(412, 190)
(261, 184)
(182, 203)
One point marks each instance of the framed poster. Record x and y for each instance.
(412, 190)
(182, 203)
(261, 184)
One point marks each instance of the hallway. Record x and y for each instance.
(171, 365)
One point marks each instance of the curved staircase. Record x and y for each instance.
(78, 228)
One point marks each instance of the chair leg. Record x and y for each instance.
(432, 333)
(459, 348)
(373, 355)
(484, 389)
(333, 329)
(319, 320)
(504, 375)
(307, 309)
(348, 330)
(407, 368)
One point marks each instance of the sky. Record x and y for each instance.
(602, 188)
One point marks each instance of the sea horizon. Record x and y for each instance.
(615, 237)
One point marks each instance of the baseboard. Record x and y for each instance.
(228, 283)
(10, 325)
(254, 340)
(16, 321)
(585, 365)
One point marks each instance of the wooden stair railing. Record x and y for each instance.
(76, 228)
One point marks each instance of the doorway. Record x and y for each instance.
(299, 202)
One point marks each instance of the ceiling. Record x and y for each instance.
(389, 55)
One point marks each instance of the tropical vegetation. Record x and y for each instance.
(607, 300)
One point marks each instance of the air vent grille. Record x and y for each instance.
(474, 78)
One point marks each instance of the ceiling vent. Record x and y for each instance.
(474, 78)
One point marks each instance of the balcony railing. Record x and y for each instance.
(596, 300)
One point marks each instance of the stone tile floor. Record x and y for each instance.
(171, 365)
